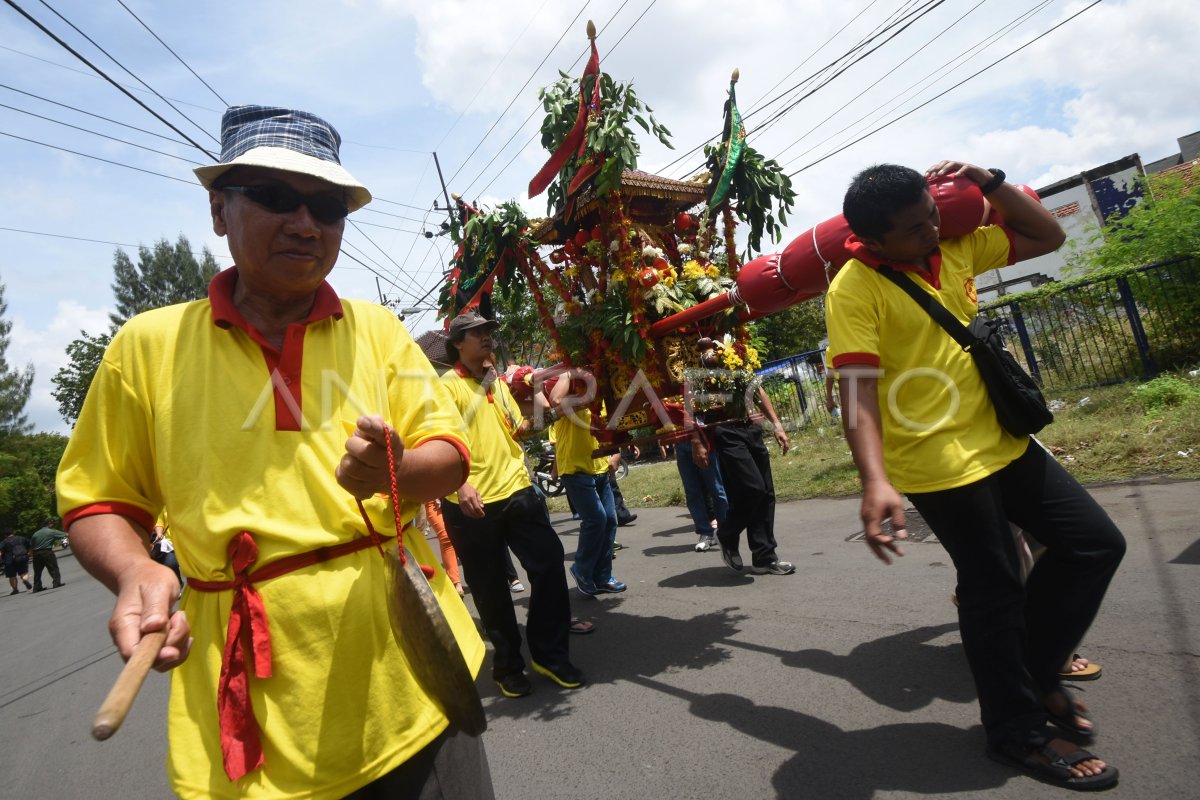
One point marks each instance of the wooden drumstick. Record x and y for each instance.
(120, 698)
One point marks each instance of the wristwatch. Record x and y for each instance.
(995, 183)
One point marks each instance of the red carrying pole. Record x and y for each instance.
(696, 313)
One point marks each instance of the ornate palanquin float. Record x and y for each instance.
(637, 278)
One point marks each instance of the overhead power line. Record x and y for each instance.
(519, 91)
(101, 135)
(104, 75)
(878, 111)
(90, 114)
(172, 52)
(128, 72)
(102, 241)
(974, 75)
(96, 158)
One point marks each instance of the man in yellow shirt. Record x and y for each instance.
(227, 414)
(496, 509)
(919, 420)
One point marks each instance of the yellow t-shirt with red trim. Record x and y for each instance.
(492, 416)
(574, 445)
(939, 426)
(183, 416)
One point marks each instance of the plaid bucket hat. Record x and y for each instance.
(285, 139)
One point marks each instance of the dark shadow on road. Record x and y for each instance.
(670, 550)
(715, 575)
(902, 671)
(1190, 554)
(828, 762)
(678, 530)
(694, 644)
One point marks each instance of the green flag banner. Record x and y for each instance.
(731, 148)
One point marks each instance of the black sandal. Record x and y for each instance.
(1066, 720)
(1044, 764)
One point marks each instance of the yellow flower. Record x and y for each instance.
(617, 277)
(668, 279)
(692, 270)
(731, 359)
(712, 271)
(752, 358)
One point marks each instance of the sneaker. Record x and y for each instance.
(774, 568)
(731, 558)
(703, 545)
(515, 685)
(516, 587)
(713, 544)
(60, 583)
(14, 591)
(566, 675)
(612, 586)
(586, 587)
(617, 546)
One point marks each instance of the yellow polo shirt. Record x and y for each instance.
(192, 413)
(939, 426)
(574, 445)
(492, 417)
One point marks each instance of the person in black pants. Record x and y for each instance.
(749, 485)
(497, 508)
(919, 420)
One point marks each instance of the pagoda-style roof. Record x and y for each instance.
(653, 200)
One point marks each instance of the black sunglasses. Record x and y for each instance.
(280, 199)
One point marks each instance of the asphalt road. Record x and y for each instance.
(845, 680)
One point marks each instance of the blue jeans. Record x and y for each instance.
(593, 500)
(698, 484)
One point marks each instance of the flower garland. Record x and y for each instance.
(731, 257)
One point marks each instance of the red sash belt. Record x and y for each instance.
(249, 638)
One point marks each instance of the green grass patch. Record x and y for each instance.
(1108, 433)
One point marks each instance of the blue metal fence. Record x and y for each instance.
(1090, 333)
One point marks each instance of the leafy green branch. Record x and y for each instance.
(763, 192)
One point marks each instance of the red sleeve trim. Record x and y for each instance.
(138, 515)
(464, 454)
(1012, 245)
(847, 359)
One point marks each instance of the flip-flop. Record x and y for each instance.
(581, 626)
(1066, 720)
(1054, 769)
(1089, 673)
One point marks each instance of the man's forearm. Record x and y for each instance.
(107, 544)
(863, 427)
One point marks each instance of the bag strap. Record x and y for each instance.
(941, 315)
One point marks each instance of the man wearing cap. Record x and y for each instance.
(497, 508)
(230, 415)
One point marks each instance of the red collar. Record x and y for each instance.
(461, 371)
(857, 249)
(226, 315)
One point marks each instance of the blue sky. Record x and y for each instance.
(400, 79)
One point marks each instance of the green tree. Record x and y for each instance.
(163, 276)
(523, 338)
(794, 330)
(27, 468)
(15, 385)
(71, 382)
(1163, 226)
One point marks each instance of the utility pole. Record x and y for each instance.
(445, 192)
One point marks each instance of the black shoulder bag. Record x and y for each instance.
(1020, 407)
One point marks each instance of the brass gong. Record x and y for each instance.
(423, 634)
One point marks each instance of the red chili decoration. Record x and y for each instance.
(647, 278)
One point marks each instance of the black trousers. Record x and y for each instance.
(520, 523)
(1017, 637)
(746, 470)
(45, 560)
